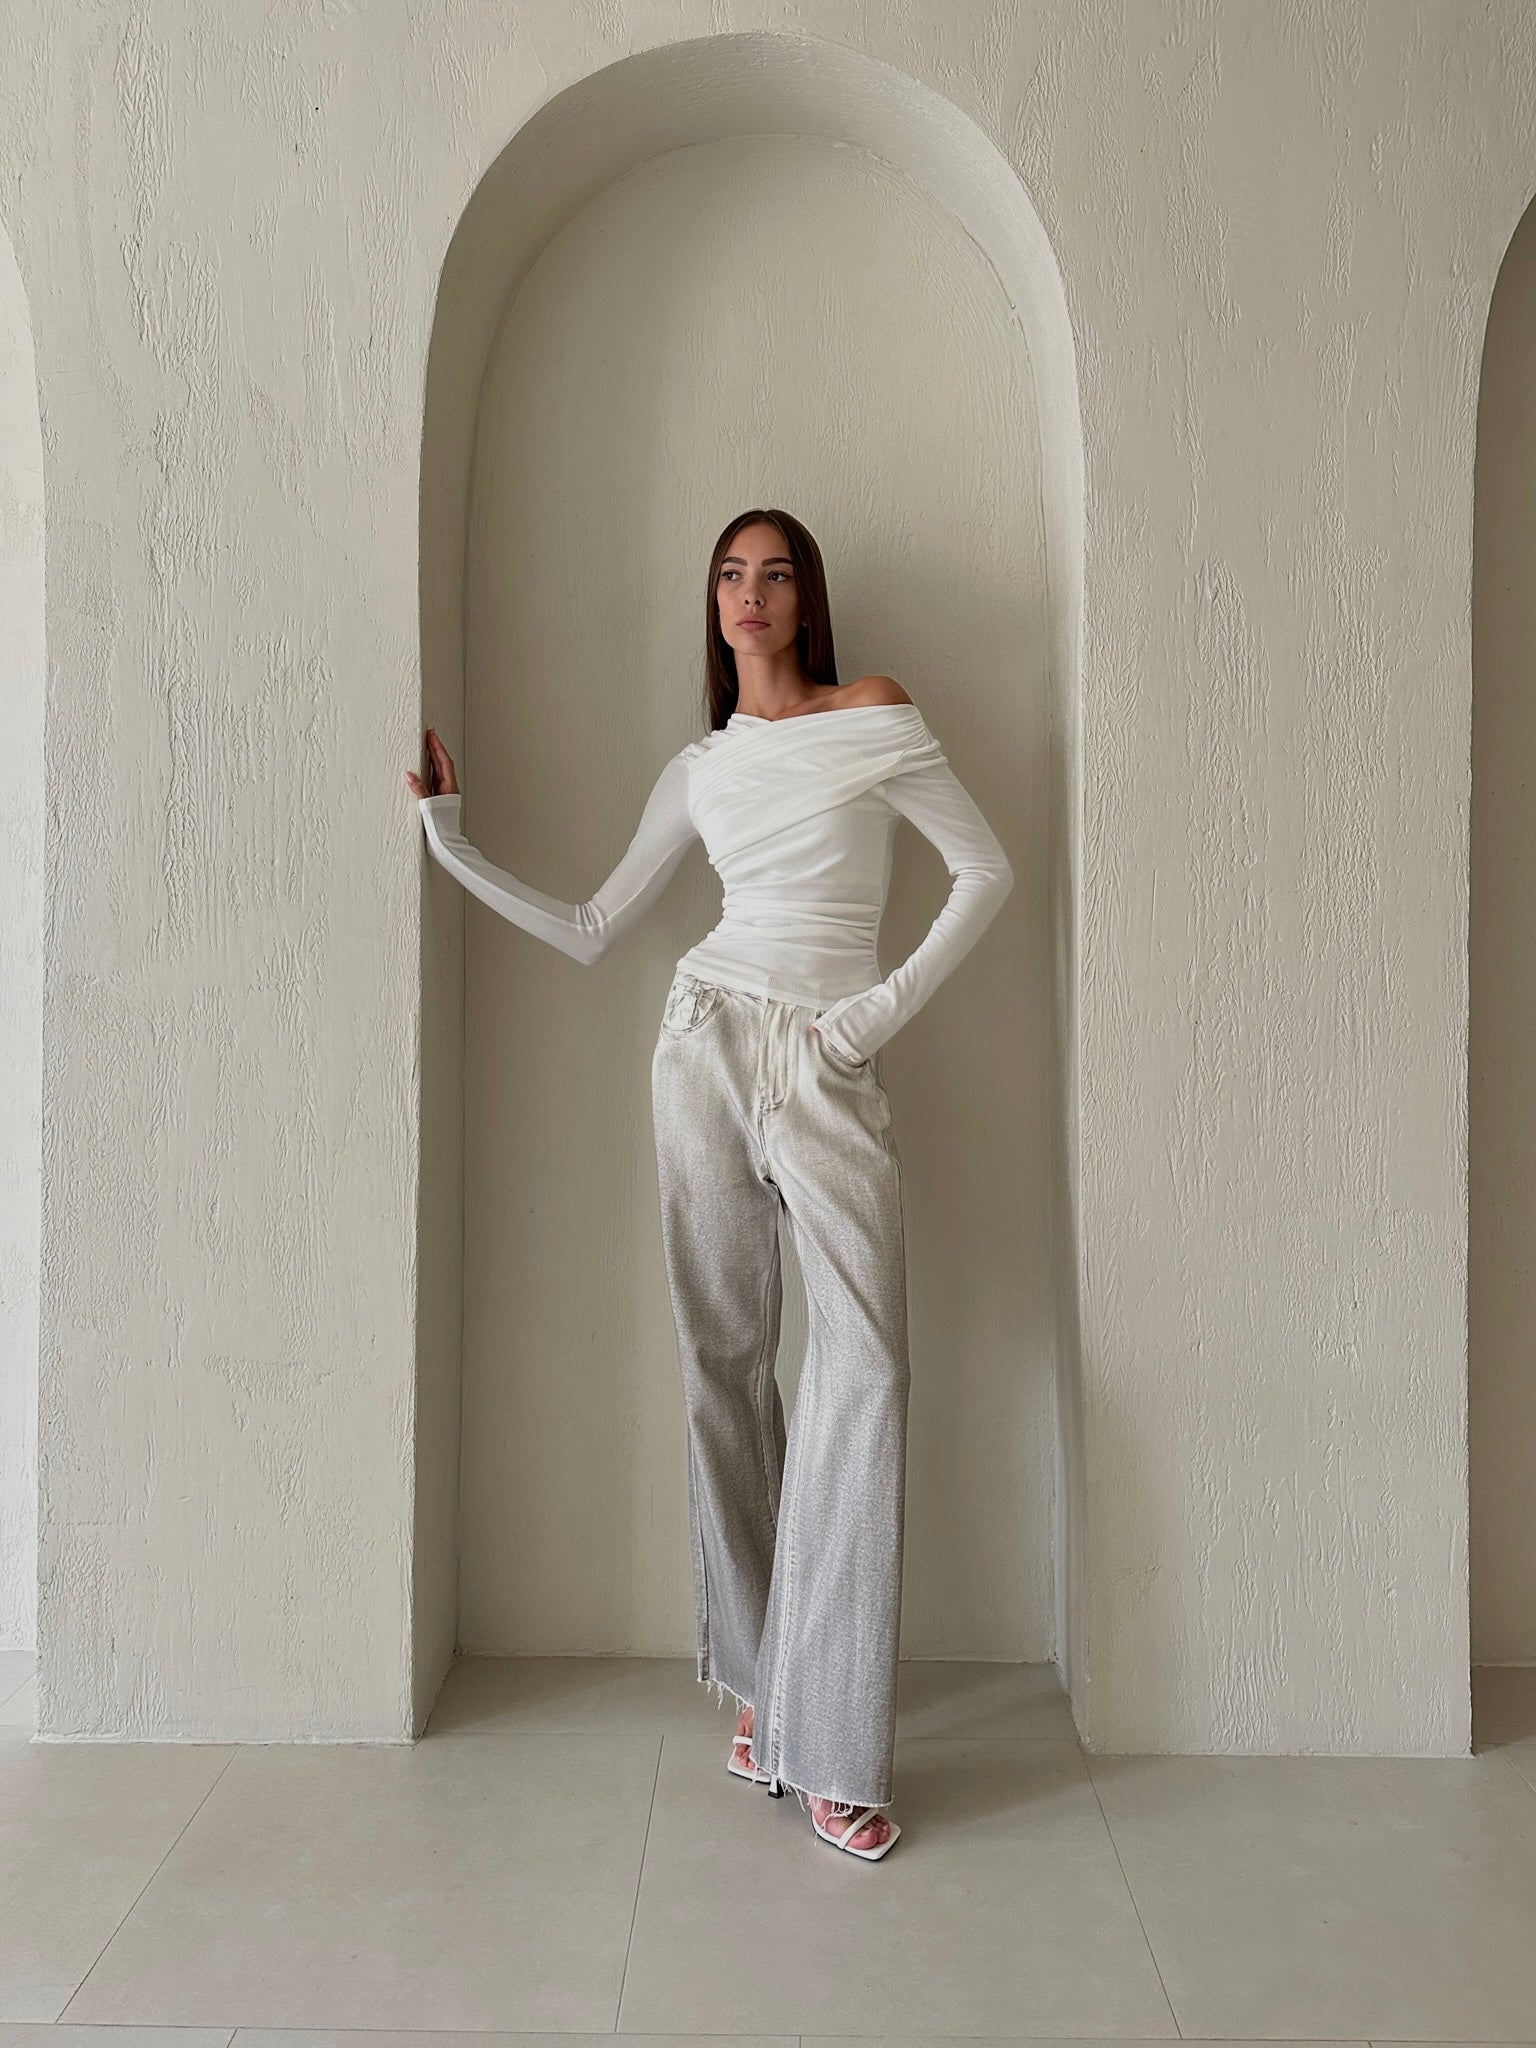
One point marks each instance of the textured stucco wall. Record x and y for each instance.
(1278, 226)
(21, 953)
(1501, 1267)
(1280, 344)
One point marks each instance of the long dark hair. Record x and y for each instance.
(721, 688)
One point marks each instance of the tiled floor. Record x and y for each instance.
(565, 1853)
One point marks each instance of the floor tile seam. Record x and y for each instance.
(1056, 1741)
(1527, 1790)
(60, 2017)
(1528, 1783)
(634, 1910)
(604, 1734)
(1131, 1895)
(622, 1728)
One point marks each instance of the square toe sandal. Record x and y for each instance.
(740, 1765)
(843, 1828)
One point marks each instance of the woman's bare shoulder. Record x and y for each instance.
(880, 690)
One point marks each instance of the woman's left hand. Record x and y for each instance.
(445, 781)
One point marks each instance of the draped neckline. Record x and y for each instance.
(793, 717)
(761, 787)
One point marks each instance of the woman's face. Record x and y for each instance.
(757, 585)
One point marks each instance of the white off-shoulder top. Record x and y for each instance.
(797, 815)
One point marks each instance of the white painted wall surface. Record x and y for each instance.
(1278, 227)
(1501, 1252)
(21, 953)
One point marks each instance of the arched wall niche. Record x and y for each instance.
(1501, 1193)
(595, 133)
(21, 953)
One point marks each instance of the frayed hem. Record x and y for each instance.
(841, 1809)
(719, 1688)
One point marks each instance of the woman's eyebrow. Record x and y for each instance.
(768, 560)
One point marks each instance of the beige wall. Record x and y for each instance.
(1277, 228)
(21, 953)
(1501, 1255)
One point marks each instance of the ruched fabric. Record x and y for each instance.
(798, 817)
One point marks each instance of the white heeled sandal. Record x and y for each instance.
(859, 1819)
(843, 1839)
(740, 1767)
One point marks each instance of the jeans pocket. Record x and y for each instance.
(690, 1004)
(840, 1060)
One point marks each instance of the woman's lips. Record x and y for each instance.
(754, 625)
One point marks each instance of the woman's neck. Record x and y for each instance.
(783, 704)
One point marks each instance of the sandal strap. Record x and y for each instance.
(860, 1820)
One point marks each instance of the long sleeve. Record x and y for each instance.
(584, 930)
(942, 810)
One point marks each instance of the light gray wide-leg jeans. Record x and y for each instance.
(797, 1538)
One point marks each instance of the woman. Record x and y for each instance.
(768, 1098)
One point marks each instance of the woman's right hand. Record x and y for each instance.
(439, 769)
